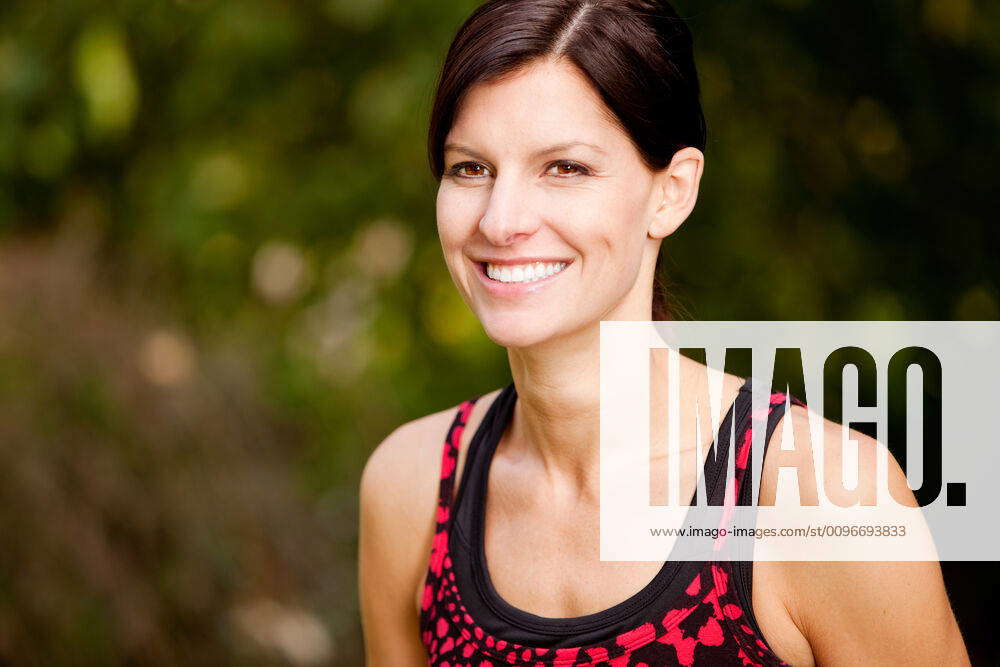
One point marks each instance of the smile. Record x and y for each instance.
(523, 273)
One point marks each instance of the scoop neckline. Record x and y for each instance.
(605, 617)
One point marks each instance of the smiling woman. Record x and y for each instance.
(567, 138)
(535, 172)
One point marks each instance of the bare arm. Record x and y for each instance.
(871, 613)
(398, 494)
(874, 613)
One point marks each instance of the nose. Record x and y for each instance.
(508, 217)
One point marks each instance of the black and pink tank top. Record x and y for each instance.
(690, 613)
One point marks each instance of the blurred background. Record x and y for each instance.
(221, 285)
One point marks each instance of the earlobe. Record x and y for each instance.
(661, 225)
(657, 228)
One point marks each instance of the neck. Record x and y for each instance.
(556, 416)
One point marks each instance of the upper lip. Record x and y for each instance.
(520, 260)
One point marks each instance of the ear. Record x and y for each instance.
(678, 186)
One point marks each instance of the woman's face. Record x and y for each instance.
(544, 208)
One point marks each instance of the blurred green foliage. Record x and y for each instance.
(221, 286)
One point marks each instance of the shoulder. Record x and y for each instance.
(406, 450)
(408, 459)
(400, 481)
(792, 443)
(398, 497)
(396, 510)
(403, 467)
(850, 611)
(397, 492)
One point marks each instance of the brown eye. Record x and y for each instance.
(566, 168)
(469, 170)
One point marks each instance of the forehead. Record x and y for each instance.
(546, 102)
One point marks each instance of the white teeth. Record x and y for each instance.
(523, 273)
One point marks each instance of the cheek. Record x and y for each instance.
(616, 230)
(456, 217)
(444, 215)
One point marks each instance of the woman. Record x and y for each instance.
(567, 137)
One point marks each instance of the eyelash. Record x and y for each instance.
(581, 170)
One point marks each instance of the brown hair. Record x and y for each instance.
(638, 55)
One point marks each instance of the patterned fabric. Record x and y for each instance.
(707, 625)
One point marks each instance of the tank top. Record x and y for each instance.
(691, 612)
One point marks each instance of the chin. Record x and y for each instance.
(516, 332)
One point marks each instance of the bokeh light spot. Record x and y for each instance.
(106, 78)
(167, 358)
(280, 272)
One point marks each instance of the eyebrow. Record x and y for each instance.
(555, 148)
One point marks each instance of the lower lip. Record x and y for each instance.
(497, 288)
